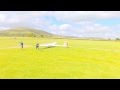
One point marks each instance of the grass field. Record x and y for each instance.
(84, 59)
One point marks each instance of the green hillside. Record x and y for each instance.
(31, 32)
(25, 32)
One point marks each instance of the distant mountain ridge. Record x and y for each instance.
(25, 32)
(31, 32)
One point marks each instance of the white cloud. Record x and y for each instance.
(4, 28)
(2, 17)
(80, 23)
(65, 27)
(78, 16)
(85, 30)
(96, 28)
(54, 28)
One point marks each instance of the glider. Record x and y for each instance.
(54, 44)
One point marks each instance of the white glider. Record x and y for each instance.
(49, 44)
(54, 44)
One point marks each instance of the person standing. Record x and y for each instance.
(37, 46)
(66, 44)
(21, 45)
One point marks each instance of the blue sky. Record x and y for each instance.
(105, 24)
(109, 22)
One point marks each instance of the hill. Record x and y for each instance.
(25, 32)
(31, 32)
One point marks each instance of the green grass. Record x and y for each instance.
(84, 59)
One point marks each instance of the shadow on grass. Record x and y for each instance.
(47, 47)
(42, 48)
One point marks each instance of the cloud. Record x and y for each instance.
(2, 17)
(4, 28)
(66, 16)
(84, 30)
(77, 23)
(65, 27)
(78, 16)
(32, 19)
(59, 29)
(95, 28)
(54, 27)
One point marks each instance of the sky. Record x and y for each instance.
(101, 24)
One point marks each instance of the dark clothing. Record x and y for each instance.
(21, 44)
(37, 46)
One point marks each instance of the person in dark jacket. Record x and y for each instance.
(37, 46)
(21, 44)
